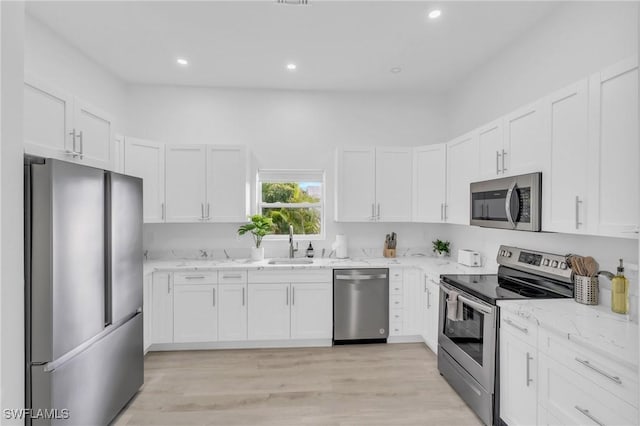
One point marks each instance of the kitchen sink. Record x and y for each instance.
(290, 261)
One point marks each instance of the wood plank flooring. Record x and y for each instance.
(395, 384)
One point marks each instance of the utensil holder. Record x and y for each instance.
(586, 290)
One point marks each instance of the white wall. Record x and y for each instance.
(54, 60)
(11, 243)
(283, 129)
(578, 39)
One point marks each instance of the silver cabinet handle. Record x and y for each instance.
(293, 295)
(589, 415)
(445, 211)
(587, 364)
(504, 154)
(207, 217)
(214, 296)
(425, 282)
(232, 276)
(73, 151)
(578, 201)
(529, 379)
(373, 211)
(428, 298)
(441, 211)
(242, 296)
(163, 211)
(287, 296)
(195, 277)
(202, 211)
(168, 283)
(525, 330)
(81, 145)
(378, 216)
(497, 162)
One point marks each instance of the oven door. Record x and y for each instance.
(507, 203)
(471, 341)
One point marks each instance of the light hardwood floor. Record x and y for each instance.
(396, 384)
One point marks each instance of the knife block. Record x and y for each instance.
(387, 252)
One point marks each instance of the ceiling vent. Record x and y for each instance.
(293, 2)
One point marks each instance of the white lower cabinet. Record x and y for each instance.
(195, 313)
(232, 312)
(412, 295)
(518, 372)
(311, 311)
(430, 312)
(147, 289)
(162, 308)
(269, 316)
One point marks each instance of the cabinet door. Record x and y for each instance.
(429, 183)
(311, 311)
(269, 311)
(355, 184)
(433, 312)
(565, 185)
(462, 169)
(393, 184)
(227, 184)
(162, 308)
(232, 312)
(526, 142)
(490, 150)
(95, 128)
(147, 291)
(518, 380)
(613, 119)
(412, 303)
(48, 120)
(185, 183)
(145, 159)
(195, 313)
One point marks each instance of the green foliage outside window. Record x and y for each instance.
(305, 220)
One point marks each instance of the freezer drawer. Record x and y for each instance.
(94, 385)
(360, 304)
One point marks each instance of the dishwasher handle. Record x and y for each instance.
(344, 277)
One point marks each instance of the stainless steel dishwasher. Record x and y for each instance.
(360, 305)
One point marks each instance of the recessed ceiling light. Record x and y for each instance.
(292, 67)
(395, 70)
(182, 61)
(435, 14)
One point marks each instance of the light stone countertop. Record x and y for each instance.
(428, 263)
(594, 327)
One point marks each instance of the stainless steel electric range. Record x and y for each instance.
(467, 340)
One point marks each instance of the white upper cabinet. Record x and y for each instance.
(186, 183)
(393, 184)
(373, 184)
(59, 125)
(462, 169)
(491, 150)
(145, 159)
(525, 144)
(565, 185)
(355, 184)
(613, 140)
(429, 183)
(227, 183)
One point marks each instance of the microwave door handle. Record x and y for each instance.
(507, 203)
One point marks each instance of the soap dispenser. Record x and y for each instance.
(620, 292)
(310, 251)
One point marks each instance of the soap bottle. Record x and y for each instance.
(310, 250)
(620, 292)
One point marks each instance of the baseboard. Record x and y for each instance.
(249, 344)
(405, 339)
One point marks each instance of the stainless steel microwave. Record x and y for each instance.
(508, 203)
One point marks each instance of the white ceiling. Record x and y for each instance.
(337, 45)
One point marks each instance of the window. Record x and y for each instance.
(292, 197)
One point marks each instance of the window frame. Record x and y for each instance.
(299, 175)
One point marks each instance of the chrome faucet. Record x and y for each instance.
(291, 249)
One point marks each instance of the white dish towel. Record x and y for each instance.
(454, 307)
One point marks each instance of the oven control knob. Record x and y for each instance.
(507, 253)
(545, 262)
(554, 264)
(563, 265)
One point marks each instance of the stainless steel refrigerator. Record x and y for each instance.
(83, 271)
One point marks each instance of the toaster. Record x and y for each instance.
(469, 257)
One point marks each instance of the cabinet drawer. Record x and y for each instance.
(232, 277)
(195, 278)
(518, 326)
(396, 274)
(395, 328)
(395, 315)
(395, 301)
(574, 400)
(395, 287)
(619, 380)
(296, 276)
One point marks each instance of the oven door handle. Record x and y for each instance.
(484, 309)
(507, 203)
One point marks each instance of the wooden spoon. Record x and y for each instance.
(591, 266)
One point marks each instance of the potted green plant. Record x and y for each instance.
(259, 226)
(441, 248)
